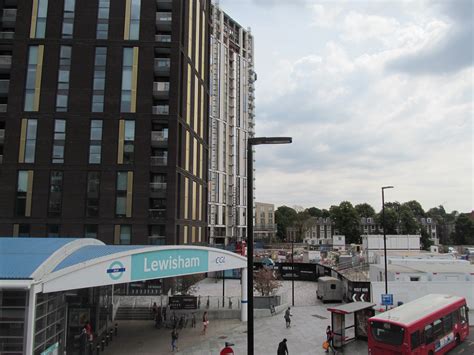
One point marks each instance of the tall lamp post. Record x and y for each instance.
(250, 143)
(385, 238)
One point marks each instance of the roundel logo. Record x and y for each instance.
(116, 270)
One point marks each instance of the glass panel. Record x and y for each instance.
(129, 130)
(387, 333)
(122, 181)
(90, 231)
(125, 234)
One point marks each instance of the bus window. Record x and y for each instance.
(463, 315)
(415, 340)
(448, 323)
(437, 328)
(387, 333)
(428, 334)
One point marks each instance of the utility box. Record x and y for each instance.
(329, 289)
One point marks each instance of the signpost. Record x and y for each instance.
(183, 302)
(387, 299)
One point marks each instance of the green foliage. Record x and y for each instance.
(365, 210)
(416, 208)
(314, 212)
(346, 221)
(302, 224)
(463, 230)
(284, 217)
(408, 222)
(391, 221)
(425, 240)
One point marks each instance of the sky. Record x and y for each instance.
(374, 93)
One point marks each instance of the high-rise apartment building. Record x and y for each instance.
(104, 119)
(231, 122)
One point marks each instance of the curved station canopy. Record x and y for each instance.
(59, 264)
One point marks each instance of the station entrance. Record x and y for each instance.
(49, 288)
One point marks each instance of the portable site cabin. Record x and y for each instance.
(329, 289)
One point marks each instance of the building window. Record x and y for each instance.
(103, 19)
(29, 128)
(38, 19)
(128, 141)
(129, 80)
(93, 193)
(91, 231)
(33, 78)
(132, 20)
(123, 234)
(59, 141)
(68, 18)
(95, 147)
(124, 193)
(21, 230)
(24, 193)
(55, 194)
(98, 88)
(63, 79)
(52, 230)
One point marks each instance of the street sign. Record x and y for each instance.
(387, 300)
(183, 302)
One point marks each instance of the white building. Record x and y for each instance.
(375, 242)
(231, 122)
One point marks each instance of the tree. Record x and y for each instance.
(265, 281)
(408, 222)
(416, 208)
(325, 213)
(186, 285)
(346, 221)
(365, 210)
(284, 218)
(425, 240)
(463, 230)
(442, 219)
(302, 223)
(314, 212)
(391, 221)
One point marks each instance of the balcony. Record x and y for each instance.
(164, 4)
(162, 66)
(9, 18)
(161, 90)
(4, 86)
(163, 20)
(158, 160)
(1, 159)
(5, 63)
(157, 213)
(157, 110)
(7, 35)
(2, 136)
(158, 138)
(3, 108)
(157, 186)
(163, 38)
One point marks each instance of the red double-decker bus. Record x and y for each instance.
(433, 324)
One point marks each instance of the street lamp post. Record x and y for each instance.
(250, 143)
(385, 238)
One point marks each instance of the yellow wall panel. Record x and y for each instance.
(21, 152)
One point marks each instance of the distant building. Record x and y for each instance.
(368, 225)
(429, 224)
(374, 242)
(320, 231)
(264, 227)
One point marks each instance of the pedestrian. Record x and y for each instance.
(287, 317)
(193, 320)
(282, 348)
(330, 339)
(205, 323)
(174, 340)
(164, 314)
(154, 309)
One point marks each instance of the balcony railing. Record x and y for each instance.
(164, 18)
(163, 38)
(2, 135)
(3, 107)
(265, 227)
(7, 35)
(160, 110)
(157, 186)
(162, 65)
(161, 89)
(159, 137)
(9, 17)
(5, 62)
(158, 161)
(156, 213)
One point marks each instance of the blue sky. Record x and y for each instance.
(373, 93)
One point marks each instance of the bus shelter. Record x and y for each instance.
(362, 311)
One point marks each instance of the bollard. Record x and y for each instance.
(102, 345)
(98, 349)
(116, 329)
(107, 339)
(111, 333)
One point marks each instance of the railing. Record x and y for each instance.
(163, 38)
(162, 64)
(164, 18)
(4, 86)
(5, 61)
(160, 110)
(158, 136)
(7, 35)
(158, 161)
(3, 107)
(157, 186)
(157, 212)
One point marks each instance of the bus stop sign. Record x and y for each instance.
(387, 300)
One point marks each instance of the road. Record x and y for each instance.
(466, 347)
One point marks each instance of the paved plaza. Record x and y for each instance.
(306, 335)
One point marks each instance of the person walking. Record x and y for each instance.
(282, 348)
(174, 340)
(287, 317)
(205, 323)
(330, 339)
